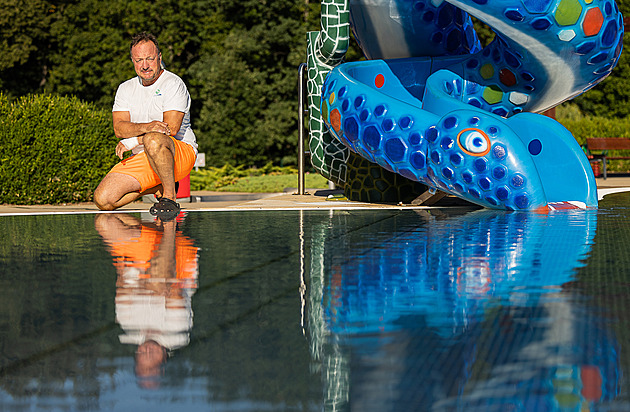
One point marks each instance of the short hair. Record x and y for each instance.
(142, 37)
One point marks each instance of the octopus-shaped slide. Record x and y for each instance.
(432, 105)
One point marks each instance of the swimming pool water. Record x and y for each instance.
(379, 310)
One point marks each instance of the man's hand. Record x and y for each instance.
(160, 127)
(120, 150)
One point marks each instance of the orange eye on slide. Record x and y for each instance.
(474, 142)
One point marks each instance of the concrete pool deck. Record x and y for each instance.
(214, 201)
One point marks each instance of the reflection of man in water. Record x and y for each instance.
(157, 276)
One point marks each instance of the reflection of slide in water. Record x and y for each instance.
(457, 117)
(465, 311)
(453, 266)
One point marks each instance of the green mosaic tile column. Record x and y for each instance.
(325, 50)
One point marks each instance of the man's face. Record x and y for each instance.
(146, 62)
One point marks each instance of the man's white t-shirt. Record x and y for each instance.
(148, 103)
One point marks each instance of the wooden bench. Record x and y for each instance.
(604, 144)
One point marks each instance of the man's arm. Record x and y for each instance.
(132, 133)
(125, 128)
(174, 119)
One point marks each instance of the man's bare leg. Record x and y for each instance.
(116, 190)
(160, 151)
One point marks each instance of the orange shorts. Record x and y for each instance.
(137, 252)
(138, 167)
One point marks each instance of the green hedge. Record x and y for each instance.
(596, 127)
(53, 150)
(592, 126)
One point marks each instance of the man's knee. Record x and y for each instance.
(154, 142)
(101, 201)
(105, 207)
(116, 190)
(103, 196)
(154, 139)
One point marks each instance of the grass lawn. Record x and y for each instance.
(274, 183)
(266, 183)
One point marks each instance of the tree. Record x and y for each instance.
(24, 42)
(91, 57)
(246, 83)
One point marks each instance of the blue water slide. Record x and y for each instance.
(523, 162)
(461, 120)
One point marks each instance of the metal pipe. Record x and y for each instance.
(301, 131)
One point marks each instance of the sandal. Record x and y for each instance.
(165, 209)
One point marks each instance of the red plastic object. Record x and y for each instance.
(184, 188)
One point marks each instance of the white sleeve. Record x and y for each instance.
(178, 98)
(130, 142)
(121, 101)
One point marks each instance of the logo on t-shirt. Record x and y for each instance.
(158, 92)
